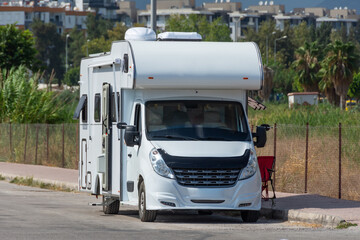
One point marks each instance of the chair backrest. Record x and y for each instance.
(265, 163)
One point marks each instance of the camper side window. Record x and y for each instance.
(84, 112)
(97, 107)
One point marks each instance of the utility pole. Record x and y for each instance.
(66, 53)
(153, 15)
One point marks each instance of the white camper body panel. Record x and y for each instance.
(194, 65)
(164, 71)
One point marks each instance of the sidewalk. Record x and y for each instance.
(308, 208)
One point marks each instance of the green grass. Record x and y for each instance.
(321, 115)
(2, 178)
(345, 225)
(29, 181)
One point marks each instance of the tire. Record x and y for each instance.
(205, 212)
(112, 208)
(250, 216)
(145, 215)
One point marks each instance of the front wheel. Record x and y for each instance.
(145, 215)
(250, 216)
(110, 206)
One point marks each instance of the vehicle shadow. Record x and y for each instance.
(193, 217)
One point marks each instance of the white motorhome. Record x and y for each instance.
(163, 125)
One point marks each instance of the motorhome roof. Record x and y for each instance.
(195, 65)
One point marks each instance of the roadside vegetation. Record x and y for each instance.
(345, 225)
(2, 178)
(323, 114)
(29, 181)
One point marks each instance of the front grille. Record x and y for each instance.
(206, 177)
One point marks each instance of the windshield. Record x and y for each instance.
(196, 121)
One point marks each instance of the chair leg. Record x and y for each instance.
(272, 185)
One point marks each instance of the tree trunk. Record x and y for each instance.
(342, 102)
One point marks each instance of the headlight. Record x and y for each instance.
(159, 164)
(250, 168)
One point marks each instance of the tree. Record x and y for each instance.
(101, 44)
(339, 66)
(16, 47)
(71, 78)
(307, 66)
(268, 83)
(75, 47)
(50, 47)
(216, 31)
(97, 26)
(354, 89)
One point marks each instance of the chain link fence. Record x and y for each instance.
(319, 160)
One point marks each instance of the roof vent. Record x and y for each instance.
(140, 34)
(179, 36)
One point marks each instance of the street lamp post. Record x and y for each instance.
(267, 48)
(66, 52)
(283, 37)
(87, 49)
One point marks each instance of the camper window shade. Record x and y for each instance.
(81, 105)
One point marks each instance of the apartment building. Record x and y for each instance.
(63, 16)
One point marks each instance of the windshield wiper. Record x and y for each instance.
(176, 137)
(215, 138)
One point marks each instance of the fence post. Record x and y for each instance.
(36, 142)
(26, 135)
(275, 127)
(63, 146)
(47, 143)
(306, 156)
(10, 138)
(339, 160)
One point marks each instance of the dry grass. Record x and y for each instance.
(33, 183)
(323, 161)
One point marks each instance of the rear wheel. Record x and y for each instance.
(250, 216)
(145, 215)
(110, 205)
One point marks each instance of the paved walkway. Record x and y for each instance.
(309, 208)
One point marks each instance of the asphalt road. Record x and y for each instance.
(32, 213)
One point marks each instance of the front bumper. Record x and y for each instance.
(163, 193)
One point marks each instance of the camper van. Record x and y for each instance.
(163, 125)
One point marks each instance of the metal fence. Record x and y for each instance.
(43, 144)
(320, 160)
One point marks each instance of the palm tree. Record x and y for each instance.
(339, 66)
(307, 65)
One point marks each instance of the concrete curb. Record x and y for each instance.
(299, 216)
(71, 186)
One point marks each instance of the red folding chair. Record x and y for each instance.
(266, 166)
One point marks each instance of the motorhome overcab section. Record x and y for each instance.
(163, 125)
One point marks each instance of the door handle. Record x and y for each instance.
(129, 155)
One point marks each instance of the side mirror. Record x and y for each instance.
(131, 136)
(260, 136)
(121, 125)
(266, 126)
